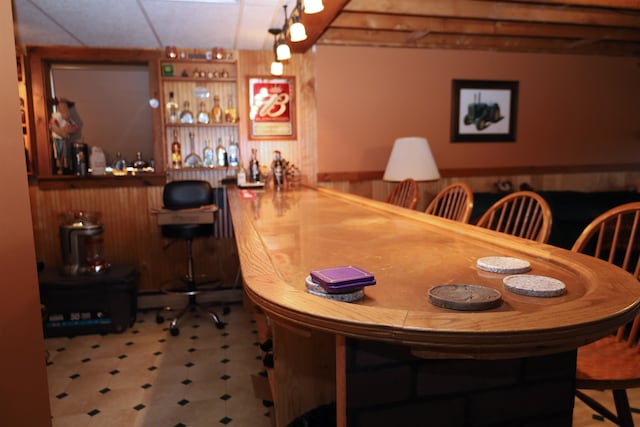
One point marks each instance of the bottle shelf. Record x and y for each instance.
(199, 125)
(199, 79)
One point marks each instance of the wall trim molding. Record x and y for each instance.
(508, 170)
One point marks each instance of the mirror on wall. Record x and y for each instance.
(110, 106)
(109, 93)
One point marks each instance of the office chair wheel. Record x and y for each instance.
(159, 319)
(174, 332)
(226, 310)
(220, 325)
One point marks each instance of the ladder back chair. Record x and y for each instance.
(453, 202)
(404, 194)
(523, 214)
(613, 362)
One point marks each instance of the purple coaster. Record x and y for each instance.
(341, 279)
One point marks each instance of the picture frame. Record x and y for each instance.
(272, 112)
(484, 110)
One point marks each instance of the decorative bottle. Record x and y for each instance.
(254, 166)
(172, 109)
(230, 114)
(176, 152)
(203, 115)
(216, 112)
(233, 153)
(186, 116)
(208, 156)
(221, 153)
(192, 160)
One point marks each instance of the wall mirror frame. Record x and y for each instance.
(41, 59)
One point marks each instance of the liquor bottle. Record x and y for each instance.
(203, 115)
(172, 109)
(186, 116)
(221, 154)
(230, 114)
(208, 155)
(277, 168)
(176, 152)
(139, 163)
(233, 153)
(119, 165)
(254, 166)
(241, 178)
(216, 111)
(192, 160)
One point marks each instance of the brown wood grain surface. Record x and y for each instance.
(282, 236)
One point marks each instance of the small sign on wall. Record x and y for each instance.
(484, 111)
(272, 108)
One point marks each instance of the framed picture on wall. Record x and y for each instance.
(272, 108)
(484, 111)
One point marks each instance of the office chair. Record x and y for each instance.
(188, 195)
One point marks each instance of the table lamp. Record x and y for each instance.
(411, 158)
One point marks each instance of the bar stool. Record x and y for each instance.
(188, 214)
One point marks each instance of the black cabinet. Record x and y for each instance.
(88, 304)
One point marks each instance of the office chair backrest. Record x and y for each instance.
(187, 194)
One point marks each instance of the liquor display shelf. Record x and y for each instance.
(198, 125)
(199, 114)
(200, 79)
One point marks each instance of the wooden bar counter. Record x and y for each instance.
(282, 236)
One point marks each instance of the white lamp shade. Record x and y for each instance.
(277, 68)
(283, 52)
(411, 158)
(297, 32)
(313, 6)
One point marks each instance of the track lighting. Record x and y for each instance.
(293, 28)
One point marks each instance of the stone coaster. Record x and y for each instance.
(465, 297)
(317, 290)
(503, 264)
(534, 286)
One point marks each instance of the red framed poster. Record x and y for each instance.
(272, 108)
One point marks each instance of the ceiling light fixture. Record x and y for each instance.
(293, 28)
(313, 6)
(277, 68)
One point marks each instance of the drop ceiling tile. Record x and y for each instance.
(117, 24)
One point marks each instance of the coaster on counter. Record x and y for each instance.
(465, 297)
(317, 290)
(340, 279)
(534, 286)
(503, 264)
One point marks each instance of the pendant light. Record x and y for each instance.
(277, 68)
(297, 32)
(283, 52)
(313, 6)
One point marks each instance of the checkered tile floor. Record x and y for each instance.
(144, 377)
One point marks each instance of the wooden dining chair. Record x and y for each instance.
(404, 194)
(523, 214)
(454, 202)
(613, 362)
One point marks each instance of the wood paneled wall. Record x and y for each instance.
(132, 235)
(586, 181)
